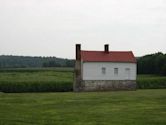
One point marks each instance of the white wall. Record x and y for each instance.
(93, 71)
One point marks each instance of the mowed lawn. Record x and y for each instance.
(141, 107)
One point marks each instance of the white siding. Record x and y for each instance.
(93, 71)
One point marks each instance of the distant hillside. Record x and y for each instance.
(9, 61)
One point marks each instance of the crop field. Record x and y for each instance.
(141, 107)
(151, 81)
(57, 80)
(36, 80)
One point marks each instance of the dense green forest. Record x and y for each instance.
(26, 62)
(148, 64)
(152, 64)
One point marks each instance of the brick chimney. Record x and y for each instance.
(78, 52)
(106, 48)
(77, 71)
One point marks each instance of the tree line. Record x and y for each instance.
(152, 64)
(9, 61)
(148, 64)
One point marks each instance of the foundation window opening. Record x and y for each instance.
(115, 71)
(103, 70)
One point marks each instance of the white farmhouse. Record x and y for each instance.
(104, 70)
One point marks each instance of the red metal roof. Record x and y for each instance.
(111, 56)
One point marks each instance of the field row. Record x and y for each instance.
(36, 80)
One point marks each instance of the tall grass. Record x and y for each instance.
(151, 82)
(57, 86)
(32, 80)
(57, 80)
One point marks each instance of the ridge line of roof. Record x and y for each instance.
(102, 51)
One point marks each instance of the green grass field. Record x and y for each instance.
(141, 107)
(36, 75)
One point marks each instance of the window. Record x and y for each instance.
(127, 73)
(115, 71)
(103, 69)
(127, 69)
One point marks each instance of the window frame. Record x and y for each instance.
(127, 70)
(103, 70)
(116, 71)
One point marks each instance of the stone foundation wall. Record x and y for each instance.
(106, 85)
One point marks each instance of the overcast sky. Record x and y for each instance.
(53, 27)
